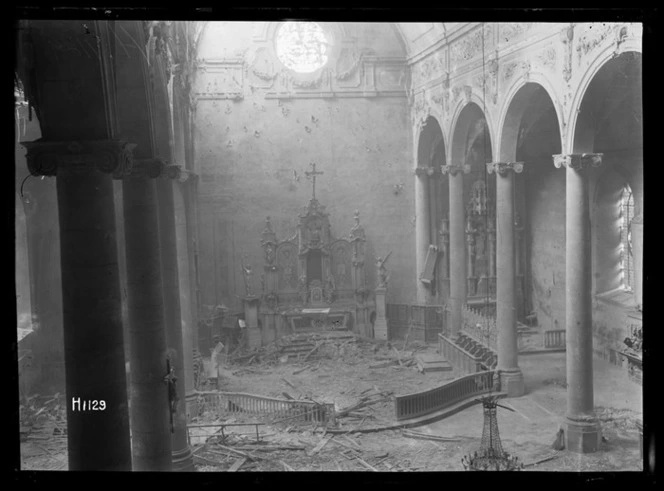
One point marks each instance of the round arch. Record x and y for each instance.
(573, 116)
(464, 117)
(429, 137)
(515, 106)
(460, 125)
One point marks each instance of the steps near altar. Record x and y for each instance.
(429, 362)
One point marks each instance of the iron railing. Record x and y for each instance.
(422, 403)
(224, 403)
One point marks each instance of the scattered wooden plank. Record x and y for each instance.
(237, 464)
(384, 364)
(320, 445)
(288, 396)
(289, 383)
(424, 436)
(286, 466)
(365, 464)
(207, 461)
(270, 448)
(232, 450)
(312, 351)
(352, 441)
(542, 460)
(300, 370)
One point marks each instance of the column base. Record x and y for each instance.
(583, 434)
(380, 329)
(183, 460)
(511, 381)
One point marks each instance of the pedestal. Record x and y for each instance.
(582, 433)
(380, 325)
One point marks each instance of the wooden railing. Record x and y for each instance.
(224, 403)
(424, 322)
(554, 338)
(433, 400)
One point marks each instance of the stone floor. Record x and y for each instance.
(530, 429)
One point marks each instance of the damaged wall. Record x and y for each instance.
(254, 145)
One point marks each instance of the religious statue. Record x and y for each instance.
(269, 253)
(248, 273)
(383, 277)
(330, 286)
(303, 288)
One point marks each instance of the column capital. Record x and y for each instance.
(424, 171)
(454, 169)
(178, 172)
(46, 158)
(502, 168)
(577, 161)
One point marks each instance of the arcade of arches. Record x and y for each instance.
(176, 181)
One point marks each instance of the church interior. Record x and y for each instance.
(248, 246)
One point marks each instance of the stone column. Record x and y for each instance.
(582, 429)
(182, 457)
(150, 417)
(92, 318)
(457, 245)
(421, 228)
(186, 305)
(511, 378)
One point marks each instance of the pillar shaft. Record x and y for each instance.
(421, 230)
(92, 307)
(182, 458)
(93, 339)
(151, 435)
(578, 296)
(508, 363)
(582, 427)
(457, 251)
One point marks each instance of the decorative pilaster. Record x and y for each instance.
(91, 301)
(457, 244)
(582, 429)
(422, 239)
(508, 364)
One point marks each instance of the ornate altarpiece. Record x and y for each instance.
(314, 280)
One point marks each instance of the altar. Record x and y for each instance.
(314, 281)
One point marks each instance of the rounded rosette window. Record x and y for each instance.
(302, 46)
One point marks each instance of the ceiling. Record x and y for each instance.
(418, 36)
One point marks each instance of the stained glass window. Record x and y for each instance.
(302, 46)
(626, 256)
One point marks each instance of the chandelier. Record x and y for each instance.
(491, 456)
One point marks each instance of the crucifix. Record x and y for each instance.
(313, 173)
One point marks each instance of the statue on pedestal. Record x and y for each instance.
(383, 277)
(247, 273)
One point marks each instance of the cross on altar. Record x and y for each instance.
(313, 174)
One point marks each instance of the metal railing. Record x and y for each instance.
(422, 403)
(458, 357)
(554, 338)
(481, 327)
(224, 403)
